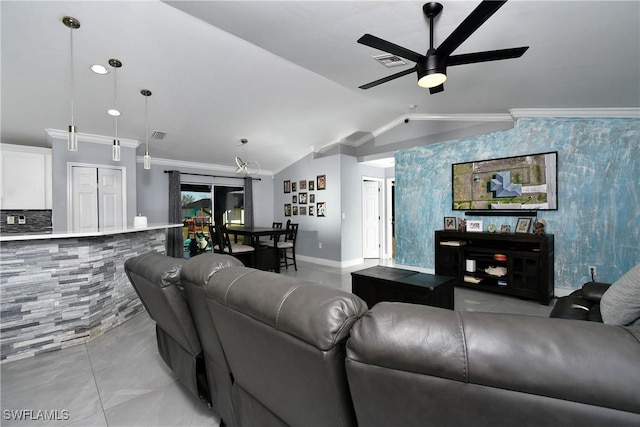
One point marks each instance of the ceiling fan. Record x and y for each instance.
(432, 67)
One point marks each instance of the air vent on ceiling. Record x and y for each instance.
(389, 60)
(158, 134)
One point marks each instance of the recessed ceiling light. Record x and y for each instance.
(113, 112)
(99, 69)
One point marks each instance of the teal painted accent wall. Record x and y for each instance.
(598, 217)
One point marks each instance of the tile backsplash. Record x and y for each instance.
(35, 221)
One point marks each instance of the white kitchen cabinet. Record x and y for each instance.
(25, 177)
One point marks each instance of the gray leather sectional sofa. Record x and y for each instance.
(279, 351)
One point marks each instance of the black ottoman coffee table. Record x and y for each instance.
(381, 283)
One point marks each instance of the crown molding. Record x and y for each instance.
(87, 137)
(195, 165)
(583, 113)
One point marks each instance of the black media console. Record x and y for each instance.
(513, 264)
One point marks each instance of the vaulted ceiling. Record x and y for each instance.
(285, 74)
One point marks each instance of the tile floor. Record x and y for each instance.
(119, 378)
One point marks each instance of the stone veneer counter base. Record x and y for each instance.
(57, 291)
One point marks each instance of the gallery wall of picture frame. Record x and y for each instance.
(303, 197)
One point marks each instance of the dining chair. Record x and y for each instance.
(289, 243)
(224, 245)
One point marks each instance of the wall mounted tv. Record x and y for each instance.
(508, 184)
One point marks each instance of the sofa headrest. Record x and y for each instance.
(199, 269)
(156, 268)
(319, 315)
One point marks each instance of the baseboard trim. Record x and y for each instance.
(329, 262)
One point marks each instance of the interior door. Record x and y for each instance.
(370, 219)
(110, 215)
(97, 199)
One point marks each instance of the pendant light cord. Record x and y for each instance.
(72, 85)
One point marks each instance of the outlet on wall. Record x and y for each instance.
(320, 245)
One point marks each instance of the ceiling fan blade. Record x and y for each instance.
(489, 55)
(380, 44)
(388, 78)
(471, 23)
(436, 89)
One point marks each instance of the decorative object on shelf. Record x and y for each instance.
(287, 186)
(505, 228)
(147, 158)
(72, 137)
(247, 167)
(538, 227)
(462, 224)
(491, 228)
(496, 271)
(322, 182)
(321, 208)
(523, 225)
(115, 112)
(311, 185)
(449, 222)
(474, 225)
(500, 257)
(470, 265)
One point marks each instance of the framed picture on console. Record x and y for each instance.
(523, 225)
(474, 225)
(450, 223)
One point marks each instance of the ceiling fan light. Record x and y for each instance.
(433, 79)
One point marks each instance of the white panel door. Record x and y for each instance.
(85, 199)
(371, 219)
(97, 199)
(110, 215)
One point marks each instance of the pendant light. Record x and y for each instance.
(147, 158)
(115, 153)
(72, 137)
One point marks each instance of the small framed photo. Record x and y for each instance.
(294, 186)
(302, 198)
(303, 210)
(311, 210)
(294, 199)
(321, 208)
(295, 210)
(287, 186)
(523, 225)
(303, 184)
(312, 197)
(311, 185)
(505, 228)
(287, 209)
(322, 182)
(474, 225)
(450, 223)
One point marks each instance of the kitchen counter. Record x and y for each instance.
(64, 289)
(39, 236)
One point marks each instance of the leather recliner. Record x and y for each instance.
(284, 340)
(197, 272)
(413, 365)
(583, 304)
(156, 280)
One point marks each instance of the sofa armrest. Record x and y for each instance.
(594, 290)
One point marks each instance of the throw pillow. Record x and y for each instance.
(620, 304)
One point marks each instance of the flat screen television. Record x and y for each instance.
(509, 183)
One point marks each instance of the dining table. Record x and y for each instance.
(267, 257)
